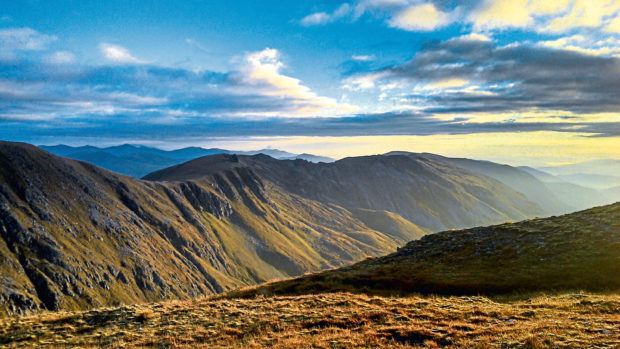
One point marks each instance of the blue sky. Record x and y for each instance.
(331, 77)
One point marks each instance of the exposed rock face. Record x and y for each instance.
(75, 236)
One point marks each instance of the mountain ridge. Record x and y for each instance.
(139, 160)
(426, 191)
(74, 236)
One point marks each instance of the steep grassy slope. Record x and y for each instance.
(579, 251)
(390, 223)
(75, 236)
(340, 320)
(425, 191)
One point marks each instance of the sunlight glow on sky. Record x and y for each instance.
(517, 81)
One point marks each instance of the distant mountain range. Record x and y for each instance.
(597, 174)
(76, 236)
(138, 161)
(563, 191)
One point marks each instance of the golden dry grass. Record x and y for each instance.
(338, 320)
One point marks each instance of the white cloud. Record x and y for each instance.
(363, 58)
(556, 16)
(613, 26)
(24, 39)
(446, 83)
(261, 72)
(585, 45)
(363, 82)
(319, 18)
(586, 14)
(493, 14)
(60, 57)
(424, 17)
(316, 19)
(118, 54)
(473, 37)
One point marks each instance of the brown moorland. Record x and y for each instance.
(338, 320)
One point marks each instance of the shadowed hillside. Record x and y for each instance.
(75, 236)
(578, 251)
(517, 179)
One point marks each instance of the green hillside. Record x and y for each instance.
(572, 252)
(74, 236)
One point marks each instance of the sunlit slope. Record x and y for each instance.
(579, 251)
(334, 320)
(390, 224)
(428, 192)
(77, 236)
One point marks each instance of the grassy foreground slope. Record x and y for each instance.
(579, 251)
(338, 320)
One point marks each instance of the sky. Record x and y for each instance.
(515, 81)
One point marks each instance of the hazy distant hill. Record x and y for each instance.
(73, 235)
(600, 167)
(424, 190)
(572, 194)
(578, 251)
(613, 193)
(138, 161)
(310, 157)
(597, 174)
(596, 181)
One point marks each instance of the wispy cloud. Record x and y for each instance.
(60, 57)
(319, 18)
(196, 44)
(422, 17)
(363, 58)
(16, 40)
(118, 54)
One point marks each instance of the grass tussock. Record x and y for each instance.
(338, 320)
